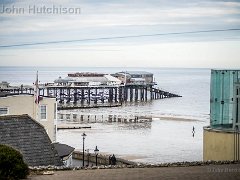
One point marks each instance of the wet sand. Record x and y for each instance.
(133, 157)
(175, 118)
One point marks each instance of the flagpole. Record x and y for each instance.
(125, 79)
(36, 98)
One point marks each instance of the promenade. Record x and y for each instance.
(211, 172)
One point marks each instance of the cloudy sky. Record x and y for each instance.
(110, 33)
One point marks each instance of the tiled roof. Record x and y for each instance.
(63, 149)
(30, 138)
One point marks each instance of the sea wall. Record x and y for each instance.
(101, 159)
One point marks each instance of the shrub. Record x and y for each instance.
(12, 165)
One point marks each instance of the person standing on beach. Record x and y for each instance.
(193, 131)
(113, 160)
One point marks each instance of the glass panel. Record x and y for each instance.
(222, 102)
(238, 105)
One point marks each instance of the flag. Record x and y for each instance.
(36, 92)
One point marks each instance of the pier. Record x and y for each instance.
(94, 96)
(92, 90)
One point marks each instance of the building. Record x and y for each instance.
(135, 77)
(221, 140)
(4, 85)
(45, 112)
(86, 79)
(65, 152)
(123, 77)
(30, 138)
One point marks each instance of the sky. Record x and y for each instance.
(120, 33)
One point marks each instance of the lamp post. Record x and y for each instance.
(83, 135)
(96, 152)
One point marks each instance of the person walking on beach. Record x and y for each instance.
(193, 131)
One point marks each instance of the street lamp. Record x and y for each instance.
(96, 152)
(83, 135)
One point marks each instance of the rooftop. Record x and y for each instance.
(30, 138)
(63, 149)
(137, 72)
(86, 74)
(89, 77)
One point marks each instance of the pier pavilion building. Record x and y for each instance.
(135, 77)
(87, 79)
(221, 139)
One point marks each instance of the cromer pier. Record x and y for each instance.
(92, 90)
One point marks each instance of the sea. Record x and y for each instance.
(168, 138)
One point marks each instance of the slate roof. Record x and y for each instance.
(30, 138)
(63, 149)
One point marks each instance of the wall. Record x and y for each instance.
(68, 161)
(218, 145)
(102, 159)
(24, 104)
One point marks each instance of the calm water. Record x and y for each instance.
(165, 139)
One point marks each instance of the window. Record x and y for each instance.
(3, 110)
(67, 116)
(61, 116)
(74, 116)
(43, 112)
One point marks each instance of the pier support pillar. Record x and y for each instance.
(136, 93)
(115, 94)
(95, 100)
(89, 95)
(131, 94)
(82, 95)
(151, 92)
(125, 93)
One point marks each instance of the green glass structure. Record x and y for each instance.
(224, 99)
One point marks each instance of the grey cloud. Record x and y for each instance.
(113, 18)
